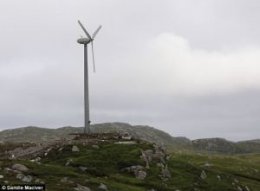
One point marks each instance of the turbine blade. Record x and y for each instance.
(93, 56)
(95, 33)
(83, 28)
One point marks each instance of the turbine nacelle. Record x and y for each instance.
(84, 40)
(89, 39)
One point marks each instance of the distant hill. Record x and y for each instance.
(216, 145)
(221, 145)
(150, 134)
(249, 146)
(39, 135)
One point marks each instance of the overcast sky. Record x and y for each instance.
(190, 68)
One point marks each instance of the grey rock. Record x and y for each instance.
(69, 161)
(82, 188)
(19, 176)
(75, 148)
(37, 181)
(239, 188)
(165, 172)
(160, 165)
(95, 146)
(207, 164)
(64, 180)
(102, 187)
(83, 168)
(27, 178)
(147, 157)
(133, 168)
(1, 176)
(140, 174)
(203, 175)
(20, 167)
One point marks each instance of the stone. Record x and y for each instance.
(160, 165)
(140, 174)
(69, 161)
(165, 172)
(239, 188)
(102, 187)
(95, 146)
(19, 176)
(82, 188)
(133, 168)
(147, 157)
(37, 180)
(203, 175)
(207, 164)
(219, 177)
(83, 168)
(37, 160)
(1, 176)
(20, 167)
(64, 180)
(75, 148)
(27, 178)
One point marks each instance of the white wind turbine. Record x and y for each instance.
(85, 41)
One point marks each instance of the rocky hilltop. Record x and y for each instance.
(121, 157)
(120, 164)
(149, 134)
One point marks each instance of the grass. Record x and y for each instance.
(104, 165)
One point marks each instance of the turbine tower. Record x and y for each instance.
(85, 41)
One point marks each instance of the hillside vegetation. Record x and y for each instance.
(129, 166)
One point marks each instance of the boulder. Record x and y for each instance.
(166, 173)
(140, 174)
(102, 187)
(82, 188)
(203, 175)
(27, 178)
(95, 146)
(20, 167)
(83, 168)
(75, 148)
(69, 161)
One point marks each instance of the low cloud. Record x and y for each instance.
(169, 65)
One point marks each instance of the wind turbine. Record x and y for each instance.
(85, 41)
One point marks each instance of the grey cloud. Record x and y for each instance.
(41, 69)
